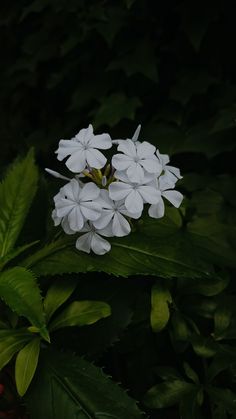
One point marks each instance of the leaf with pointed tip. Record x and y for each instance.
(16, 194)
(11, 341)
(158, 247)
(81, 313)
(19, 290)
(58, 293)
(167, 394)
(66, 386)
(26, 364)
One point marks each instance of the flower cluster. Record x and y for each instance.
(102, 199)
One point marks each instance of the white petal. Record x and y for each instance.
(84, 242)
(90, 210)
(174, 170)
(56, 219)
(104, 200)
(119, 190)
(164, 158)
(145, 149)
(64, 207)
(120, 225)
(77, 162)
(135, 173)
(121, 175)
(84, 135)
(102, 141)
(127, 147)
(66, 148)
(149, 194)
(104, 219)
(157, 210)
(90, 191)
(66, 227)
(95, 158)
(99, 245)
(151, 165)
(76, 219)
(106, 231)
(134, 202)
(174, 197)
(121, 161)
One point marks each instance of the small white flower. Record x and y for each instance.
(170, 174)
(174, 197)
(113, 215)
(137, 158)
(92, 240)
(77, 204)
(134, 194)
(83, 150)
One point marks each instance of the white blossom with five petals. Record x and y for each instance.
(78, 204)
(134, 194)
(83, 150)
(136, 160)
(166, 189)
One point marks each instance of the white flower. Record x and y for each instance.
(77, 204)
(137, 158)
(113, 215)
(170, 174)
(134, 194)
(82, 150)
(174, 197)
(92, 240)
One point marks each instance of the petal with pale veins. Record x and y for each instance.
(95, 158)
(102, 141)
(157, 210)
(119, 190)
(174, 197)
(99, 245)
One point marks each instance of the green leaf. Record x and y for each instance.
(222, 319)
(26, 364)
(115, 108)
(16, 252)
(81, 313)
(16, 194)
(57, 294)
(189, 405)
(204, 347)
(167, 394)
(70, 387)
(11, 341)
(160, 300)
(223, 396)
(19, 290)
(190, 373)
(207, 286)
(158, 247)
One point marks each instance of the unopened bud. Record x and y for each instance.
(104, 181)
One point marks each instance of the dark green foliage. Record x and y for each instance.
(80, 389)
(170, 66)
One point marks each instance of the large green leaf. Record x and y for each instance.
(11, 341)
(26, 364)
(81, 313)
(16, 194)
(19, 290)
(69, 387)
(158, 247)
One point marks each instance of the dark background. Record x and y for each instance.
(170, 66)
(167, 65)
